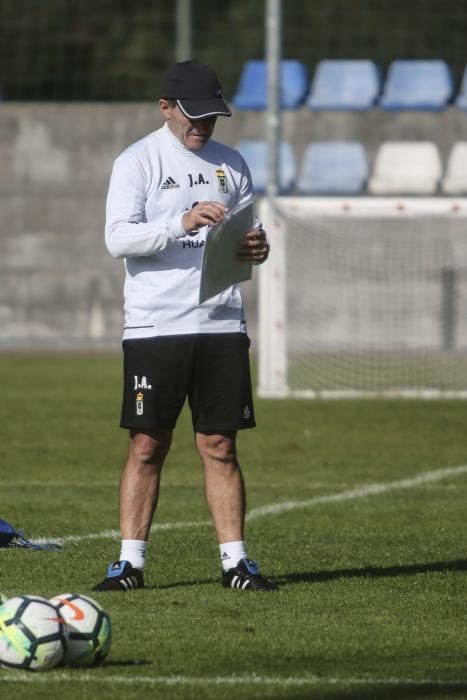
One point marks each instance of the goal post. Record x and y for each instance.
(272, 315)
(364, 296)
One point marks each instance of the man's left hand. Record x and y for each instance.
(254, 247)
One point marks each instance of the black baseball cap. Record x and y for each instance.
(196, 89)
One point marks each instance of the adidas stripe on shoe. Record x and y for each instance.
(246, 577)
(121, 576)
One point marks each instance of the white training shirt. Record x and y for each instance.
(153, 183)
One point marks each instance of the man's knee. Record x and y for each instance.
(218, 447)
(150, 448)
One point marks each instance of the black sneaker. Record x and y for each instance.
(121, 576)
(246, 577)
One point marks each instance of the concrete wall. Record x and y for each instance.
(59, 286)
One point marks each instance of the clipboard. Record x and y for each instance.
(220, 267)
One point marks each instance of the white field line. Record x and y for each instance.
(289, 681)
(287, 506)
(56, 483)
(115, 534)
(361, 492)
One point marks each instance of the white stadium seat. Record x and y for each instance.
(455, 179)
(406, 167)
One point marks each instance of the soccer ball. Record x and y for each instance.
(87, 628)
(31, 634)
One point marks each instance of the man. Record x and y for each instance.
(166, 190)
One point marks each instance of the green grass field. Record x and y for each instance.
(374, 579)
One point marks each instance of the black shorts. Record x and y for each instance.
(212, 370)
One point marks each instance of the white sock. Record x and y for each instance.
(134, 551)
(231, 553)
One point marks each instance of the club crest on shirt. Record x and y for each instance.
(221, 180)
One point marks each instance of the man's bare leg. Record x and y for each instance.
(140, 481)
(139, 494)
(224, 486)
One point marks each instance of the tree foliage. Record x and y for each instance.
(116, 49)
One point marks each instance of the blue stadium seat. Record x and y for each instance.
(333, 167)
(344, 85)
(417, 85)
(461, 100)
(255, 154)
(252, 88)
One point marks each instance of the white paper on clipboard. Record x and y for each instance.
(221, 267)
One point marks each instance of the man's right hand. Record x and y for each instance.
(203, 214)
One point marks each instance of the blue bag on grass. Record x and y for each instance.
(9, 537)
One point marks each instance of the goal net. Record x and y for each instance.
(366, 296)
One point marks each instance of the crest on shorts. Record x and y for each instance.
(221, 180)
(139, 403)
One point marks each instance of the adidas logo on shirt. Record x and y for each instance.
(169, 184)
